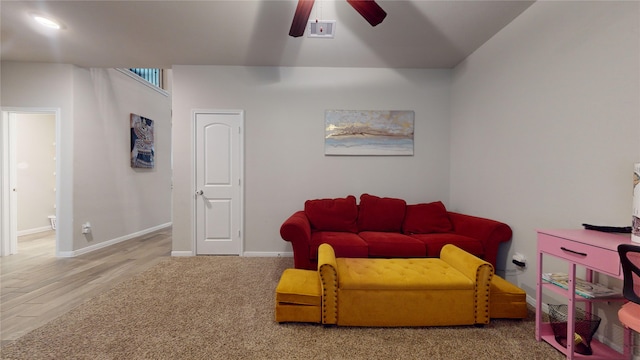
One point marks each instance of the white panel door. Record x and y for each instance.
(218, 182)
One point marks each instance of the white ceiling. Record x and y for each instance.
(415, 34)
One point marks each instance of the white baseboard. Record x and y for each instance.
(181, 253)
(245, 254)
(107, 243)
(532, 301)
(267, 254)
(34, 230)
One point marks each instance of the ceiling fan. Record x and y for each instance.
(369, 9)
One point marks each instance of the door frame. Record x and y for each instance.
(8, 198)
(194, 224)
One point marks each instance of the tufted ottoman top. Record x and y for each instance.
(400, 274)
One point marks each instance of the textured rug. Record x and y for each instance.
(223, 308)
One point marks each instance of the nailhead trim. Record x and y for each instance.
(324, 291)
(487, 295)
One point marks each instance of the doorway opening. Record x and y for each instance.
(29, 192)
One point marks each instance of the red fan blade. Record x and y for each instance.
(301, 17)
(370, 10)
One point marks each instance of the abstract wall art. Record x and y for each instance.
(368, 132)
(142, 151)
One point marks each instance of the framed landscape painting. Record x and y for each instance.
(142, 151)
(368, 132)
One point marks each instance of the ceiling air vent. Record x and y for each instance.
(322, 29)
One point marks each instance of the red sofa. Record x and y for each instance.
(387, 227)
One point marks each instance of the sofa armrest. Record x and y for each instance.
(297, 230)
(328, 270)
(478, 271)
(490, 232)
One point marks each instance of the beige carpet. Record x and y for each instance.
(222, 308)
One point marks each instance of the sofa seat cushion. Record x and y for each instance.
(387, 244)
(400, 274)
(343, 243)
(435, 242)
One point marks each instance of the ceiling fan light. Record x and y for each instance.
(322, 29)
(46, 22)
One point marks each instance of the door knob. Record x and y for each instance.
(199, 192)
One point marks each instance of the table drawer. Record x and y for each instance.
(596, 258)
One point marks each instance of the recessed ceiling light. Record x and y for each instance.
(46, 22)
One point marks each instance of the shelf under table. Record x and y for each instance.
(600, 350)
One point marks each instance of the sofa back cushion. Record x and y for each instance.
(381, 214)
(338, 214)
(426, 219)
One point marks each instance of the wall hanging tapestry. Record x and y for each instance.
(142, 152)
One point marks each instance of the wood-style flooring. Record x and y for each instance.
(36, 286)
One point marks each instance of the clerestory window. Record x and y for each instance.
(153, 76)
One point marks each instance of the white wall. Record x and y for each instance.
(545, 123)
(37, 85)
(35, 173)
(98, 185)
(284, 139)
(116, 199)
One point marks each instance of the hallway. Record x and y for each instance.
(36, 287)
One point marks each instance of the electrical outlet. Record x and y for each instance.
(86, 228)
(519, 260)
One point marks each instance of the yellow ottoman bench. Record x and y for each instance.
(298, 296)
(506, 301)
(451, 290)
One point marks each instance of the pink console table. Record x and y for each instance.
(595, 251)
